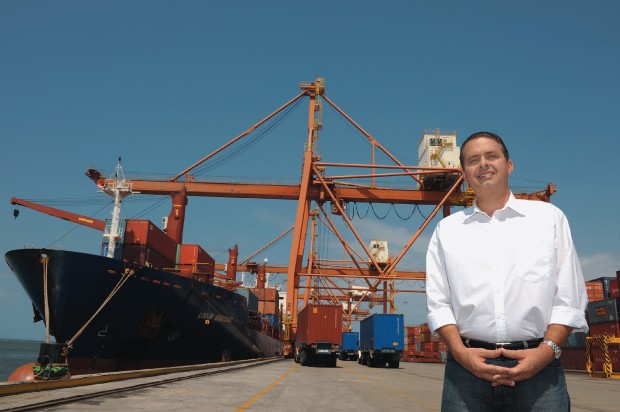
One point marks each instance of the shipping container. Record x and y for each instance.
(267, 307)
(271, 319)
(614, 289)
(250, 298)
(598, 330)
(350, 346)
(194, 259)
(598, 360)
(266, 294)
(412, 330)
(605, 281)
(145, 256)
(145, 232)
(576, 340)
(319, 334)
(595, 291)
(382, 340)
(574, 358)
(602, 311)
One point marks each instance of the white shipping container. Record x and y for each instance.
(438, 149)
(379, 250)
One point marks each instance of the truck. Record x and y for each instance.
(319, 335)
(350, 346)
(381, 340)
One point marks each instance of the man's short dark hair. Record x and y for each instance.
(489, 135)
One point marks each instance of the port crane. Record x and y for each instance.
(323, 192)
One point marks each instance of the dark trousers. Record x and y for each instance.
(546, 391)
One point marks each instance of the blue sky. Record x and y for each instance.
(163, 83)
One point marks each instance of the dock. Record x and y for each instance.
(280, 385)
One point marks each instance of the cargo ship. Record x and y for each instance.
(146, 301)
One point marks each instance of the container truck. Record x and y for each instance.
(350, 346)
(382, 340)
(319, 334)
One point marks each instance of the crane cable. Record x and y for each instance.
(247, 144)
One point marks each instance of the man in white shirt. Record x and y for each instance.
(504, 290)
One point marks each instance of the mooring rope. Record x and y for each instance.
(126, 275)
(45, 260)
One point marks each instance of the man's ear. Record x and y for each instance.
(510, 166)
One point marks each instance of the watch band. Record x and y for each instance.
(557, 352)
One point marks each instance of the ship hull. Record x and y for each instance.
(155, 319)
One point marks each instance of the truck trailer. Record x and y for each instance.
(319, 334)
(350, 346)
(382, 340)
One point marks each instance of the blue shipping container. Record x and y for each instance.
(350, 340)
(381, 331)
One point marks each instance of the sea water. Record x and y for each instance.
(15, 353)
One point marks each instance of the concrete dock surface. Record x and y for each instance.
(283, 385)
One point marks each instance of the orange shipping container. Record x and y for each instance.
(143, 255)
(267, 307)
(320, 323)
(269, 294)
(144, 232)
(595, 291)
(412, 330)
(195, 259)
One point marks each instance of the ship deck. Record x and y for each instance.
(276, 385)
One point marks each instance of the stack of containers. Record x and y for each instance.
(146, 244)
(194, 262)
(268, 301)
(422, 346)
(603, 318)
(601, 293)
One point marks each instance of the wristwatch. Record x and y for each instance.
(556, 349)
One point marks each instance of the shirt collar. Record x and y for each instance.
(512, 204)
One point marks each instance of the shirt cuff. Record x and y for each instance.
(439, 318)
(571, 317)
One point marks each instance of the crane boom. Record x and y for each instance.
(61, 214)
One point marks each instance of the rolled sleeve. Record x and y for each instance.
(438, 299)
(571, 299)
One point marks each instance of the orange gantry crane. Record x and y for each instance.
(321, 195)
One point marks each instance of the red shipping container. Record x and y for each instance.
(320, 323)
(269, 294)
(613, 350)
(144, 232)
(614, 291)
(267, 307)
(574, 358)
(595, 291)
(424, 328)
(605, 329)
(412, 330)
(195, 259)
(145, 256)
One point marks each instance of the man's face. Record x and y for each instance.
(485, 167)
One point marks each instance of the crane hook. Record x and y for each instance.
(15, 213)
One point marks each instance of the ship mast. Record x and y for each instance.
(117, 187)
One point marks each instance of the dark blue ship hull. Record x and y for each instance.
(156, 318)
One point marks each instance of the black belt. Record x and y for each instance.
(516, 345)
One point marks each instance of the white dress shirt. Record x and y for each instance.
(505, 277)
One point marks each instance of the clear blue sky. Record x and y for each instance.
(163, 83)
